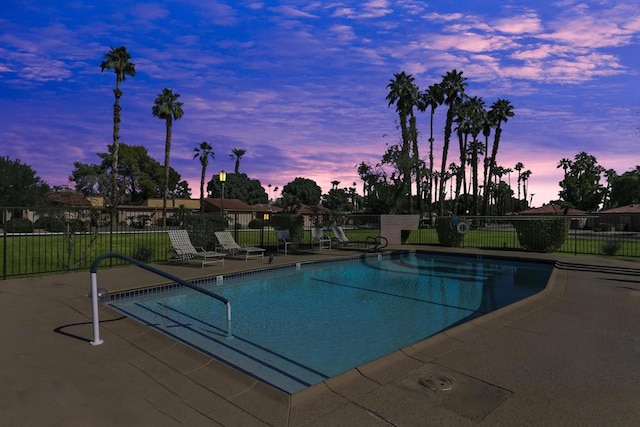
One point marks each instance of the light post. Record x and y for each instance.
(223, 178)
(265, 217)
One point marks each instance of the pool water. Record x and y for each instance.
(295, 327)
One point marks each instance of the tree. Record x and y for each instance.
(91, 180)
(500, 112)
(203, 152)
(118, 60)
(166, 107)
(139, 176)
(19, 184)
(453, 85)
(581, 187)
(518, 167)
(405, 95)
(302, 190)
(625, 188)
(432, 98)
(239, 186)
(237, 154)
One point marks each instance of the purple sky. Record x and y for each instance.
(301, 85)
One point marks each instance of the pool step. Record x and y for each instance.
(242, 354)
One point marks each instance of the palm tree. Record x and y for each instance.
(453, 85)
(404, 93)
(501, 111)
(525, 183)
(118, 60)
(237, 154)
(519, 166)
(203, 152)
(167, 108)
(432, 98)
(364, 171)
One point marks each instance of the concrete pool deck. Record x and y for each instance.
(567, 356)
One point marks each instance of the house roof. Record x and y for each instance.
(212, 204)
(628, 209)
(68, 198)
(264, 207)
(552, 209)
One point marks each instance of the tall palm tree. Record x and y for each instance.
(525, 184)
(519, 166)
(203, 152)
(453, 85)
(432, 98)
(167, 108)
(237, 154)
(500, 112)
(404, 94)
(118, 60)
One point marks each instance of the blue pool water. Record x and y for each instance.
(296, 327)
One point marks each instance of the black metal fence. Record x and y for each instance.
(38, 241)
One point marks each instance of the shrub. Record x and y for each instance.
(448, 234)
(293, 223)
(610, 247)
(542, 235)
(201, 227)
(19, 225)
(256, 224)
(143, 253)
(54, 224)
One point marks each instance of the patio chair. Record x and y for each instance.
(184, 251)
(318, 237)
(284, 239)
(229, 245)
(370, 244)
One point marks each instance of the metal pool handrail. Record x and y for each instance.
(94, 290)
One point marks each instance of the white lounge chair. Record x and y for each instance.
(228, 243)
(318, 237)
(369, 244)
(284, 239)
(184, 250)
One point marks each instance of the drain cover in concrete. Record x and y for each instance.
(454, 391)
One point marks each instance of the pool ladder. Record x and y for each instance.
(94, 290)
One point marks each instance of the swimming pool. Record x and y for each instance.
(297, 326)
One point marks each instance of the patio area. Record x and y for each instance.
(567, 356)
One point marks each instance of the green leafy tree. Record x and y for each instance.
(118, 60)
(139, 177)
(337, 199)
(625, 188)
(581, 186)
(91, 180)
(203, 152)
(302, 190)
(20, 186)
(237, 154)
(239, 186)
(166, 107)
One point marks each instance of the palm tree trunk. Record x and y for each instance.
(202, 178)
(445, 150)
(167, 153)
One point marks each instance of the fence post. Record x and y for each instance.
(4, 244)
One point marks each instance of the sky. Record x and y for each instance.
(301, 85)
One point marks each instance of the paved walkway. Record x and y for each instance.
(567, 356)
